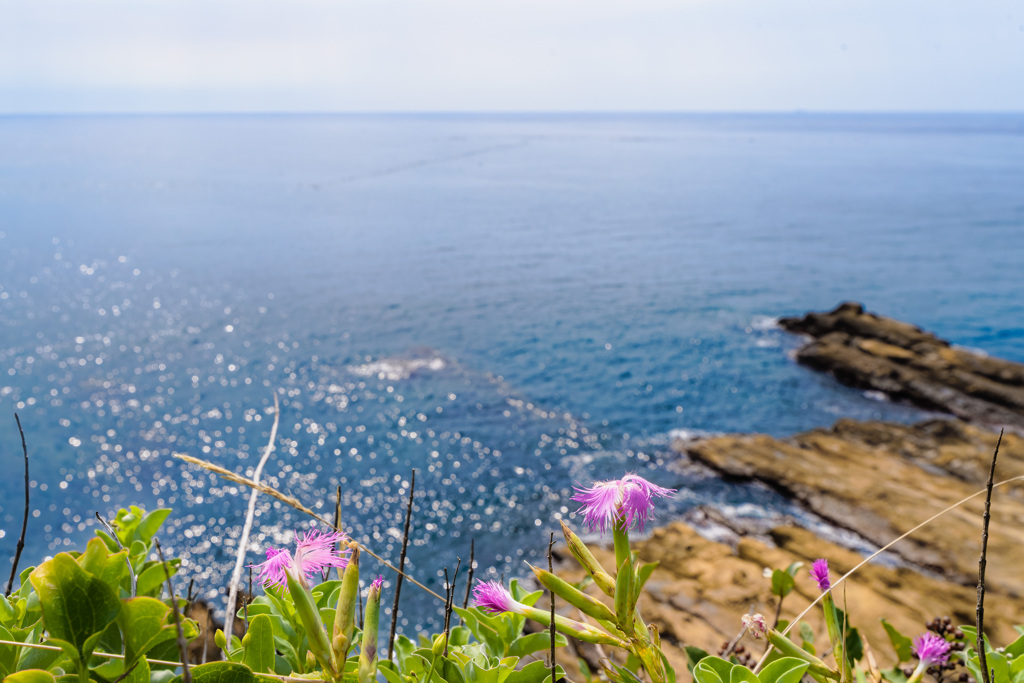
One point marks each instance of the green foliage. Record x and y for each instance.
(82, 603)
(717, 670)
(1006, 664)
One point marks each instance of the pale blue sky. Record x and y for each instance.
(510, 55)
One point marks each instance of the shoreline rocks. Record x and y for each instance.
(875, 353)
(879, 480)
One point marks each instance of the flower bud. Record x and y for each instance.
(572, 595)
(589, 563)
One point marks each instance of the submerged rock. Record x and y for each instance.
(904, 362)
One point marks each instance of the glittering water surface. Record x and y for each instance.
(506, 304)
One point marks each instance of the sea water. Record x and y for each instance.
(508, 305)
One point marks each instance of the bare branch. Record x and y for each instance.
(24, 519)
(981, 565)
(236, 573)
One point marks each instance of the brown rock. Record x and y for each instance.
(880, 480)
(873, 352)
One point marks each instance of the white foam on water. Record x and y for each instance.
(763, 323)
(394, 369)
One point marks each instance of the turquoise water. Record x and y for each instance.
(509, 304)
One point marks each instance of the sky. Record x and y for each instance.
(159, 56)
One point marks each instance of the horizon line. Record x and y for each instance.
(537, 112)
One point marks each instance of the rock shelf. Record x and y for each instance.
(872, 352)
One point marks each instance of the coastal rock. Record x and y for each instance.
(701, 588)
(879, 480)
(872, 352)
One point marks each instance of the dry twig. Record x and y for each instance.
(24, 519)
(236, 573)
(982, 661)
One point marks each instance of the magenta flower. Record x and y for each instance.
(493, 597)
(627, 499)
(819, 572)
(314, 552)
(931, 649)
(377, 583)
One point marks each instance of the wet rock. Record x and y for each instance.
(872, 352)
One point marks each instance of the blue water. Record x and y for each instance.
(508, 304)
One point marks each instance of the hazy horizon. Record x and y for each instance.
(510, 56)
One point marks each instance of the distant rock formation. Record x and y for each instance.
(873, 352)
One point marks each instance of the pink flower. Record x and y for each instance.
(931, 649)
(819, 572)
(377, 583)
(756, 624)
(627, 499)
(493, 597)
(314, 552)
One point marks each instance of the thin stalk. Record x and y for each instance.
(982, 562)
(469, 579)
(236, 573)
(113, 535)
(448, 605)
(401, 567)
(551, 627)
(881, 550)
(186, 675)
(24, 519)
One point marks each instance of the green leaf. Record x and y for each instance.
(794, 568)
(259, 645)
(712, 670)
(785, 670)
(807, 636)
(535, 642)
(643, 574)
(145, 623)
(997, 662)
(150, 524)
(219, 672)
(693, 656)
(153, 576)
(894, 675)
(140, 674)
(1016, 648)
(534, 672)
(31, 676)
(741, 674)
(782, 583)
(8, 654)
(854, 646)
(77, 606)
(101, 563)
(390, 674)
(900, 643)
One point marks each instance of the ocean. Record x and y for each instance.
(509, 304)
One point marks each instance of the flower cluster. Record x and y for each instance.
(619, 501)
(315, 551)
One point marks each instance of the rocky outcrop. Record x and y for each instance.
(701, 588)
(872, 352)
(879, 480)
